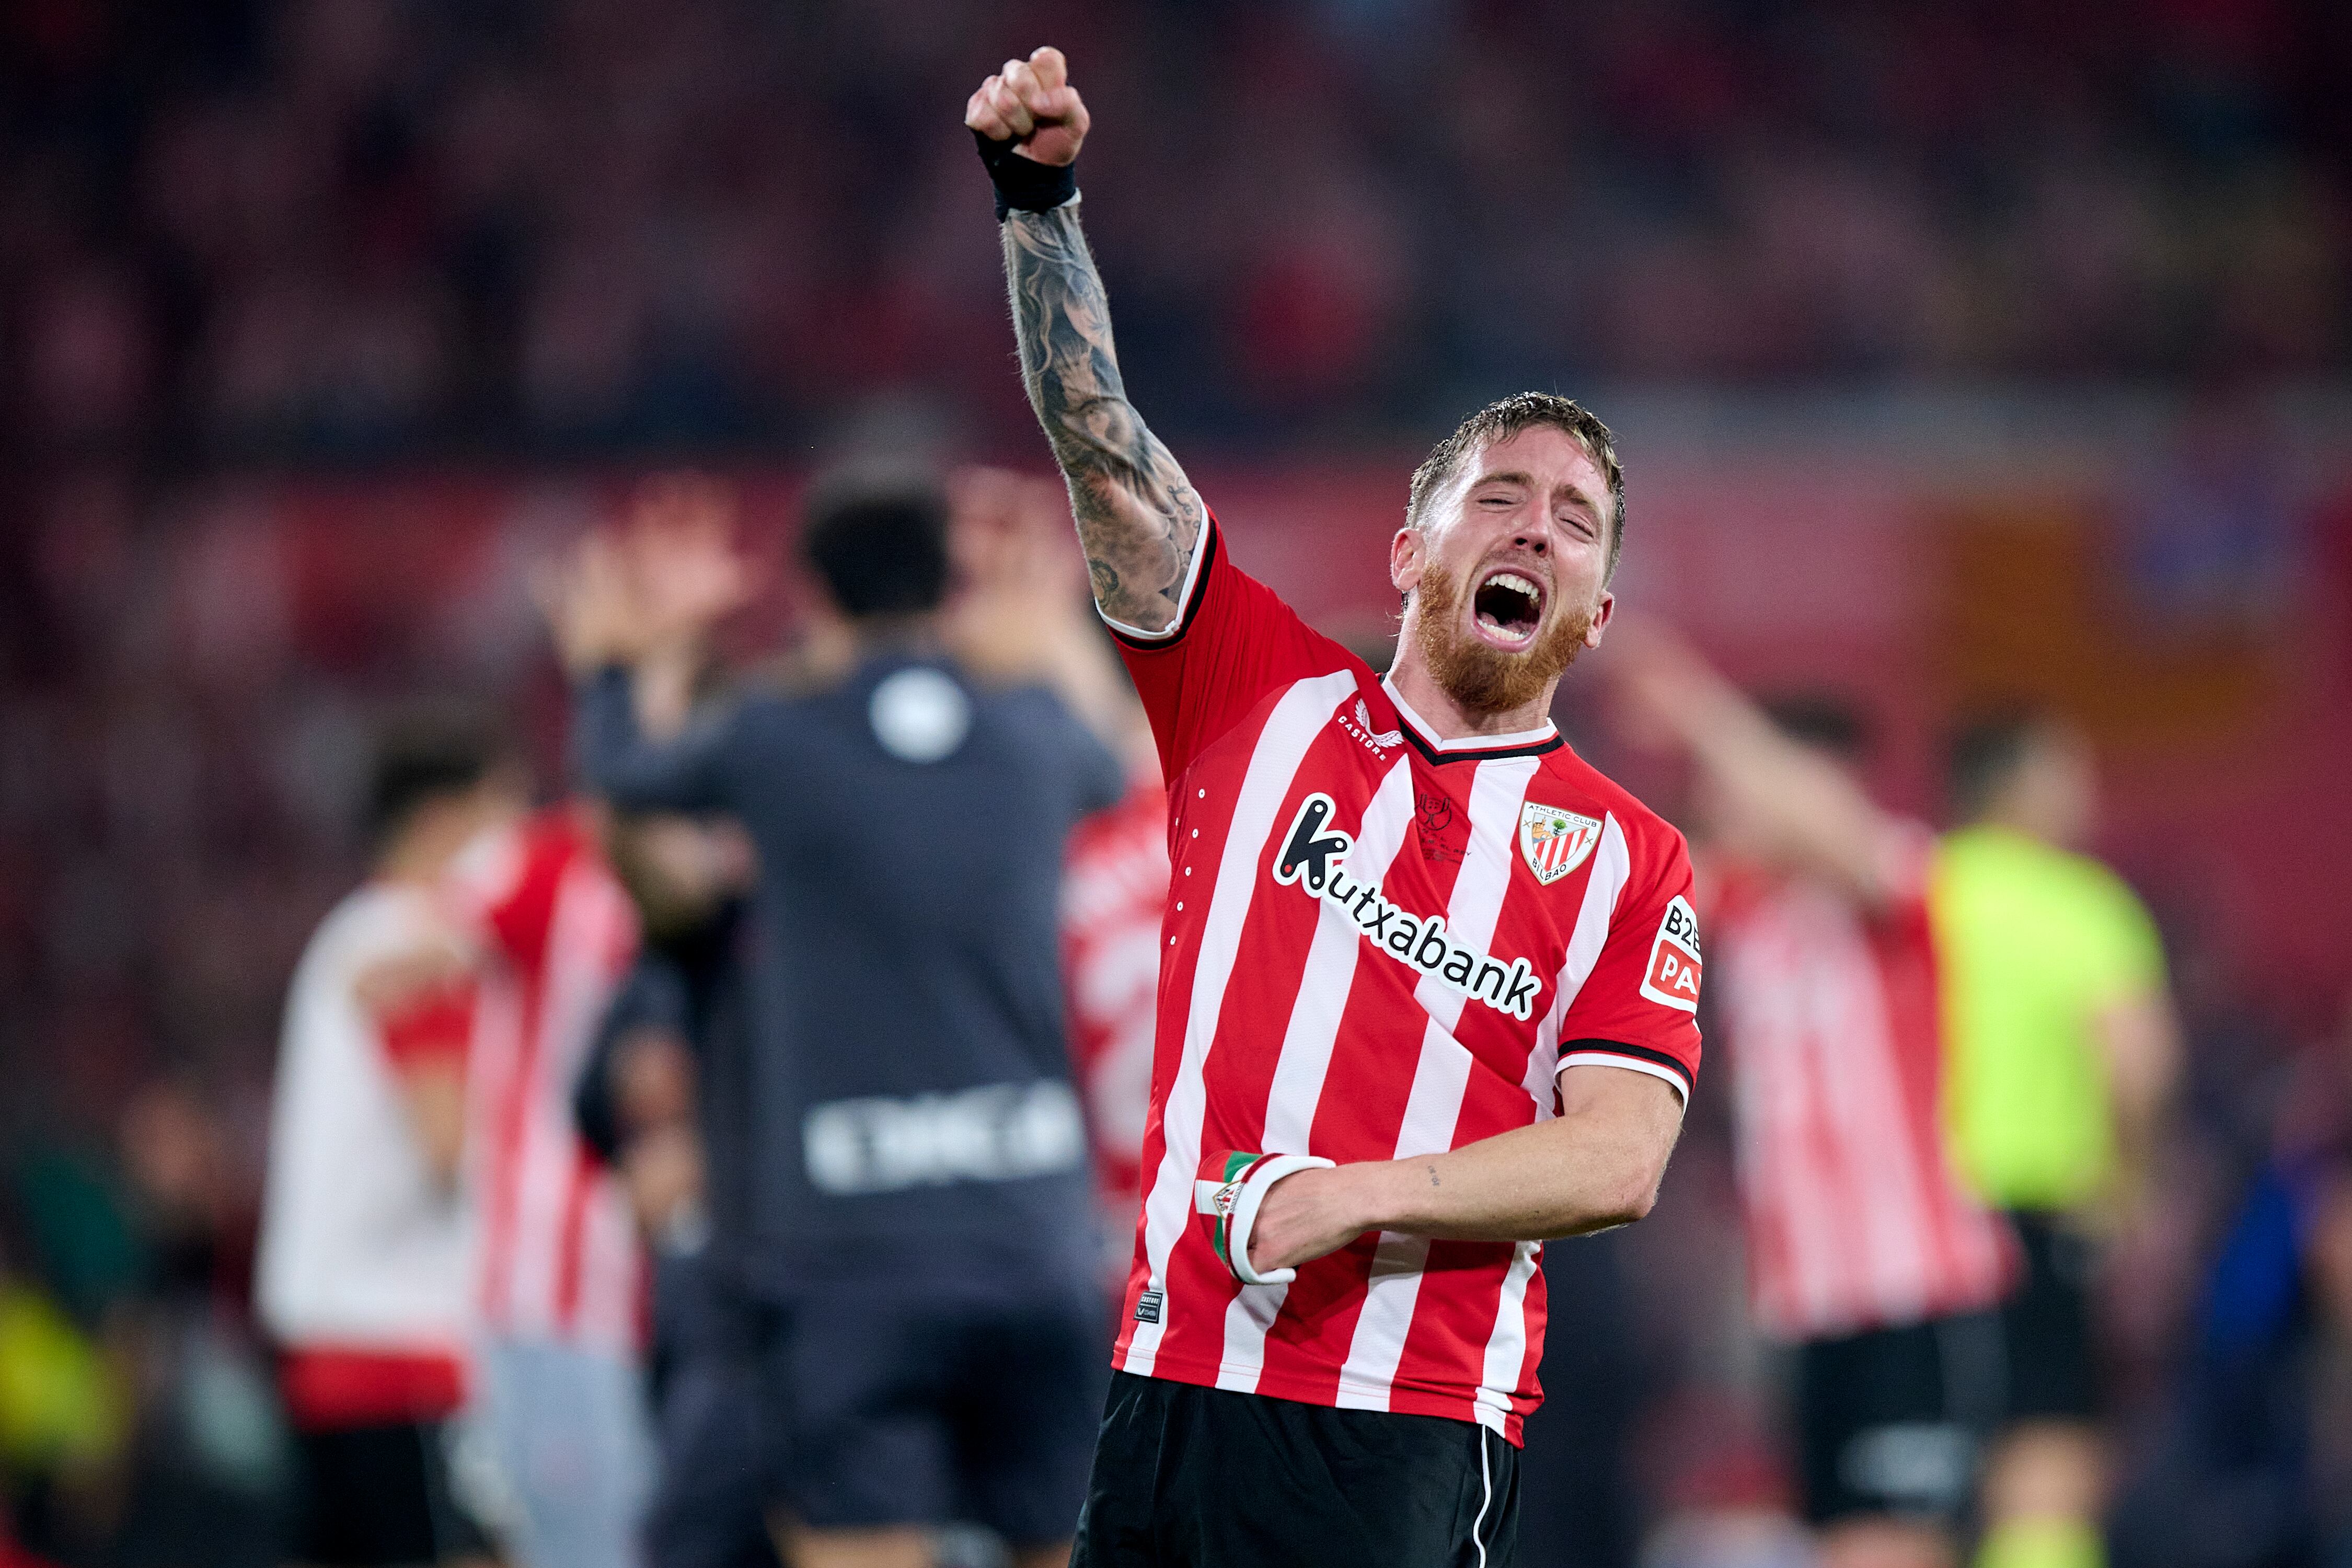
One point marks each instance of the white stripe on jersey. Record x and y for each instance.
(1612, 864)
(1297, 1088)
(1294, 725)
(1439, 1080)
(1507, 1347)
(1896, 1256)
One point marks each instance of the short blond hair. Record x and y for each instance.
(1501, 421)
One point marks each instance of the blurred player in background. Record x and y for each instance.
(924, 1233)
(366, 1244)
(1326, 1362)
(1021, 614)
(2063, 1051)
(560, 1280)
(667, 1099)
(1865, 1252)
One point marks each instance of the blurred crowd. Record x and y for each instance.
(176, 821)
(357, 227)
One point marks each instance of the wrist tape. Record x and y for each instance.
(1022, 183)
(1230, 1190)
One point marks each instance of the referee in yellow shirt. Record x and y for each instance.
(2061, 1055)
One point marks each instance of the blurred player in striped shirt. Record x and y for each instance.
(559, 1278)
(366, 1237)
(1866, 1253)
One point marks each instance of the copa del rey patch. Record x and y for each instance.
(1675, 969)
(1555, 842)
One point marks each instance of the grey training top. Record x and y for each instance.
(913, 1114)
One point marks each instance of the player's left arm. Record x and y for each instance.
(1815, 815)
(2138, 1036)
(1596, 1165)
(422, 1004)
(629, 611)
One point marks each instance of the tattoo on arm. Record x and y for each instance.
(1139, 519)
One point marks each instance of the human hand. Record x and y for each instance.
(653, 588)
(1306, 1215)
(662, 1171)
(685, 571)
(652, 1079)
(589, 605)
(1022, 583)
(1032, 104)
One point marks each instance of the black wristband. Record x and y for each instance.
(1024, 184)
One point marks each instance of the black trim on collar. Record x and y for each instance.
(1640, 1053)
(1209, 531)
(1532, 749)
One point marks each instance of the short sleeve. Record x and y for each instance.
(1639, 1006)
(2123, 955)
(1233, 641)
(437, 1026)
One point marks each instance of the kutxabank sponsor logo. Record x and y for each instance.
(1313, 857)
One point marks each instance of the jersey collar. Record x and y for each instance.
(1470, 748)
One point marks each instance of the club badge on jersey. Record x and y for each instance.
(1555, 842)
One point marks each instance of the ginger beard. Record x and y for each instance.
(1481, 678)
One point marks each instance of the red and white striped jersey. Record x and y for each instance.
(1114, 890)
(1377, 944)
(558, 1252)
(1856, 1216)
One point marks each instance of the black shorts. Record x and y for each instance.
(897, 1410)
(1202, 1477)
(378, 1495)
(2046, 1326)
(1892, 1422)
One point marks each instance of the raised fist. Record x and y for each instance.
(1032, 104)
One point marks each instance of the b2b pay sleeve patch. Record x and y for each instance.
(1673, 977)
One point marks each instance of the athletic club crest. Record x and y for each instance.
(1555, 842)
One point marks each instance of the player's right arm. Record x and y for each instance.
(1138, 520)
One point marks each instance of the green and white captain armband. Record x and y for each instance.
(1229, 1191)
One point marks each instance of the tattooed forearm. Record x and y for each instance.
(1138, 518)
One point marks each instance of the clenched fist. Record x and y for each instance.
(1032, 104)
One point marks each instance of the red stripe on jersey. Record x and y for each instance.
(1375, 944)
(1855, 1217)
(563, 934)
(570, 1243)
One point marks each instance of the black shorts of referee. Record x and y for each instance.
(1187, 1477)
(2052, 1371)
(1893, 1423)
(888, 1406)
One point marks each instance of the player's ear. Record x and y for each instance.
(1601, 615)
(1408, 554)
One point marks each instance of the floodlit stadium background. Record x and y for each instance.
(1957, 353)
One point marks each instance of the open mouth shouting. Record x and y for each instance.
(1507, 609)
